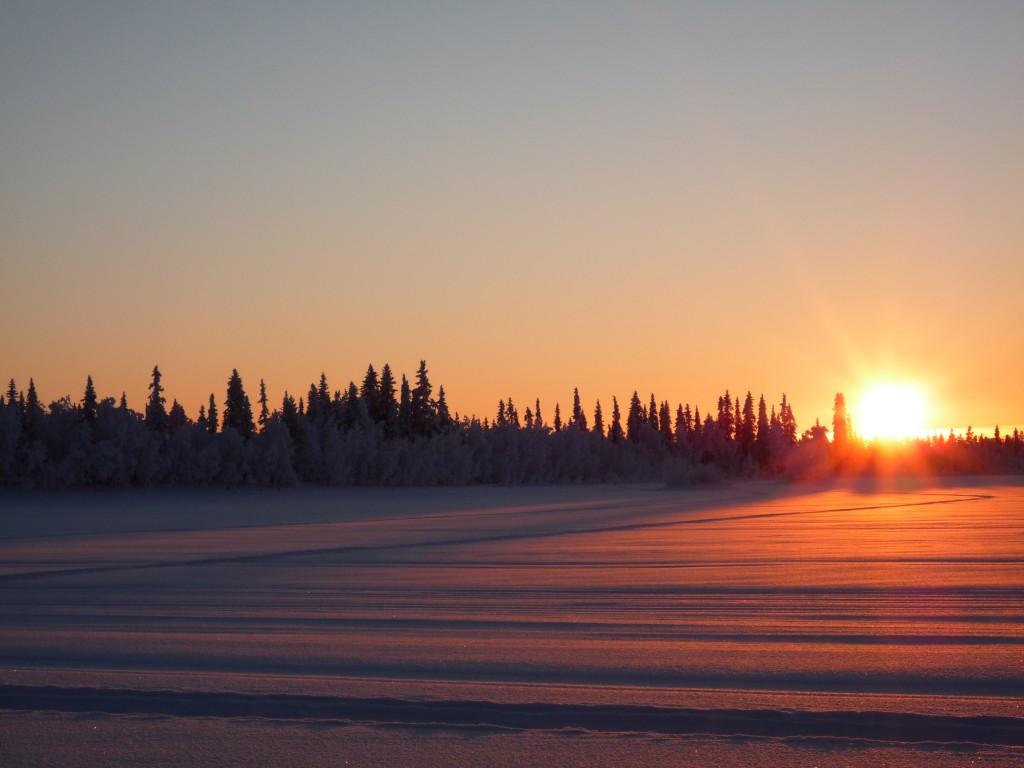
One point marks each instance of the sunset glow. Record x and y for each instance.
(890, 412)
(328, 186)
(575, 383)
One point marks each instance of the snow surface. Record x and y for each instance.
(754, 624)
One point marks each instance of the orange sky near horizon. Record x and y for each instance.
(671, 200)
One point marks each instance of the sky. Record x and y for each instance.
(677, 198)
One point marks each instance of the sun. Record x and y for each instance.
(889, 411)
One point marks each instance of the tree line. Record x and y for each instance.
(390, 432)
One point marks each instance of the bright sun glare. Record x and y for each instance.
(890, 412)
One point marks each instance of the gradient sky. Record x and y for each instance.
(671, 197)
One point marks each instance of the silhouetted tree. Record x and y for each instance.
(579, 418)
(33, 410)
(511, 414)
(726, 420)
(424, 423)
(355, 408)
(615, 433)
(177, 418)
(444, 417)
(89, 402)
(665, 422)
(634, 419)
(212, 422)
(290, 415)
(237, 410)
(264, 410)
(323, 397)
(787, 422)
(405, 424)
(156, 415)
(387, 406)
(370, 392)
(763, 426)
(598, 420)
(558, 419)
(746, 425)
(312, 408)
(816, 434)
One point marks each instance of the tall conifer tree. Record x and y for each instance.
(579, 420)
(444, 417)
(237, 409)
(763, 425)
(615, 433)
(89, 402)
(787, 421)
(33, 410)
(726, 421)
(634, 419)
(387, 412)
(176, 417)
(665, 422)
(405, 410)
(156, 415)
(212, 421)
(421, 406)
(264, 409)
(370, 392)
(747, 424)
